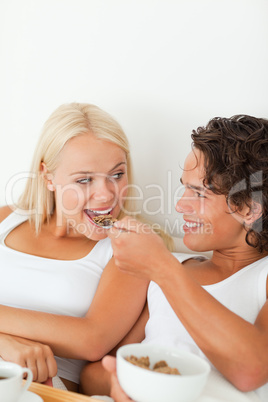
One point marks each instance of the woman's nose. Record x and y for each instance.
(104, 191)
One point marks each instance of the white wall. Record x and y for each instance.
(161, 67)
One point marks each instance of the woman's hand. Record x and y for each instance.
(37, 357)
(109, 363)
(138, 250)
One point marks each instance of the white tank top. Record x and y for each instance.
(244, 293)
(52, 286)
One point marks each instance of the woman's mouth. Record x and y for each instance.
(92, 213)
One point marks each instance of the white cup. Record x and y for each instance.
(11, 385)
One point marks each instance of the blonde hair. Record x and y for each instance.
(66, 122)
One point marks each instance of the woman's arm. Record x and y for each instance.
(95, 380)
(116, 306)
(237, 348)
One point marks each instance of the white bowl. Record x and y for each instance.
(149, 386)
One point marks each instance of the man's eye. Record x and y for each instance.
(84, 181)
(199, 195)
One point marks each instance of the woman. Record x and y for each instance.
(215, 307)
(55, 259)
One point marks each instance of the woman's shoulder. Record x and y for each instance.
(5, 212)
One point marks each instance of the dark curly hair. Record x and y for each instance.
(235, 153)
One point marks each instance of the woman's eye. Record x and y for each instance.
(117, 176)
(84, 181)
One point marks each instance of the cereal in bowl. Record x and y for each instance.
(144, 362)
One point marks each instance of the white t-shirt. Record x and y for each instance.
(244, 293)
(48, 285)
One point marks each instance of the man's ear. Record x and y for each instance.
(254, 213)
(47, 177)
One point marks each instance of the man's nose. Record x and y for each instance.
(185, 205)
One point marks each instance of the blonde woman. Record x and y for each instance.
(55, 259)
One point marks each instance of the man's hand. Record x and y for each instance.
(109, 363)
(37, 357)
(138, 250)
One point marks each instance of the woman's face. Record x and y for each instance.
(91, 179)
(209, 222)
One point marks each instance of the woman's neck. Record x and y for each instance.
(62, 230)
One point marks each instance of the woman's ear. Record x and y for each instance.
(254, 213)
(47, 177)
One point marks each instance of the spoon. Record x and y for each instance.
(106, 222)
